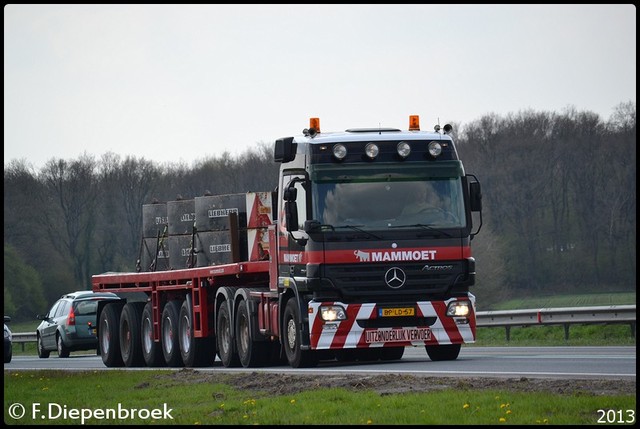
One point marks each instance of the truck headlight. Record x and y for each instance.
(331, 313)
(459, 309)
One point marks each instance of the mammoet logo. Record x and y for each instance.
(363, 256)
(399, 255)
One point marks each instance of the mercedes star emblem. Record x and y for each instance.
(395, 278)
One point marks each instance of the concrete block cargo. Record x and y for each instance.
(362, 250)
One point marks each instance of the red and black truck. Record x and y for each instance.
(361, 251)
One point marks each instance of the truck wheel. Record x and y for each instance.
(151, 350)
(194, 351)
(296, 357)
(131, 334)
(391, 353)
(251, 353)
(226, 350)
(446, 352)
(169, 328)
(108, 340)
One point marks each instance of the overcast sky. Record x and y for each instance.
(182, 82)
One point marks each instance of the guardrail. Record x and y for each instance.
(558, 316)
(22, 338)
(512, 318)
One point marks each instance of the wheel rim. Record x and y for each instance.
(167, 335)
(225, 335)
(291, 334)
(126, 334)
(185, 334)
(244, 333)
(147, 335)
(59, 345)
(105, 335)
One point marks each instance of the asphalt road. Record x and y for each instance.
(607, 363)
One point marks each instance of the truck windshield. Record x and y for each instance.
(389, 196)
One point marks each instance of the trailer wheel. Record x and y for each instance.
(151, 350)
(296, 357)
(226, 350)
(446, 352)
(169, 328)
(251, 353)
(194, 351)
(131, 334)
(108, 339)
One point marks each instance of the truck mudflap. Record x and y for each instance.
(373, 325)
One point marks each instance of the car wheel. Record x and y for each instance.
(7, 356)
(42, 353)
(63, 351)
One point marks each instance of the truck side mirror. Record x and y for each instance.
(475, 197)
(290, 194)
(284, 150)
(291, 215)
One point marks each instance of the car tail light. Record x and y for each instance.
(71, 318)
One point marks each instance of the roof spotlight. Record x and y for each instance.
(371, 150)
(403, 149)
(339, 151)
(435, 149)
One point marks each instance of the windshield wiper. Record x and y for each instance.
(423, 226)
(358, 228)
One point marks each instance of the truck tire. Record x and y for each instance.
(391, 353)
(224, 337)
(131, 334)
(151, 350)
(108, 339)
(296, 357)
(251, 353)
(445, 352)
(169, 329)
(194, 351)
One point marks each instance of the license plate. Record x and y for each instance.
(395, 312)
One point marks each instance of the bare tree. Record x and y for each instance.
(71, 195)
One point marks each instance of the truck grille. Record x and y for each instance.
(421, 279)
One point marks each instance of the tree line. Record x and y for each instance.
(559, 199)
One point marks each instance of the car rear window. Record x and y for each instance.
(86, 308)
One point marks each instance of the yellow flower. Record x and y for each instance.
(465, 406)
(502, 420)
